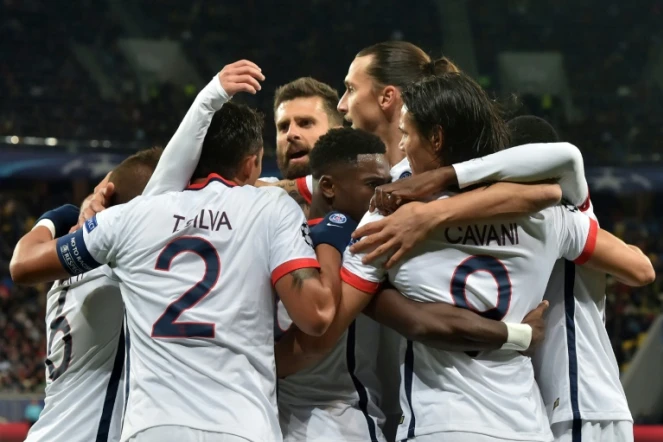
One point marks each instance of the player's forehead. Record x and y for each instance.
(358, 70)
(373, 166)
(301, 107)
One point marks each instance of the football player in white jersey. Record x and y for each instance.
(472, 405)
(201, 350)
(85, 343)
(583, 396)
(339, 398)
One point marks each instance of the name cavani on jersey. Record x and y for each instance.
(205, 220)
(483, 235)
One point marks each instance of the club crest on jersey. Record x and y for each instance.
(338, 218)
(405, 174)
(91, 224)
(306, 233)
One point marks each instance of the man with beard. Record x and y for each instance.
(304, 110)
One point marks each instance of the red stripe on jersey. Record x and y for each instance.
(314, 221)
(358, 282)
(584, 206)
(590, 245)
(303, 189)
(291, 266)
(211, 177)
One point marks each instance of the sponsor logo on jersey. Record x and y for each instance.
(338, 218)
(91, 224)
(405, 174)
(306, 234)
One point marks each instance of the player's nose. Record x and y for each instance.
(293, 133)
(342, 106)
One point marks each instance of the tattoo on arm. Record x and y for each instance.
(300, 275)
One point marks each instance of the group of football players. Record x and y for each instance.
(391, 287)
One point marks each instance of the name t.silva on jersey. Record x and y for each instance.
(207, 219)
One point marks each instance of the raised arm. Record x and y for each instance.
(182, 152)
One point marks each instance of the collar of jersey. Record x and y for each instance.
(211, 178)
(314, 221)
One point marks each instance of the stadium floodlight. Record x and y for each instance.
(51, 141)
(106, 143)
(14, 139)
(94, 143)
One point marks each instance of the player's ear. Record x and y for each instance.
(326, 185)
(250, 169)
(437, 138)
(389, 97)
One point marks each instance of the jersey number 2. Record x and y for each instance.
(167, 326)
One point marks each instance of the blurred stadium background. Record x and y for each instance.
(83, 83)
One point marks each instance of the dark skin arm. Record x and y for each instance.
(444, 326)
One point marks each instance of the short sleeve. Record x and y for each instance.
(364, 277)
(92, 245)
(305, 188)
(576, 233)
(291, 247)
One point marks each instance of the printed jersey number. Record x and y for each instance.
(482, 263)
(59, 325)
(167, 326)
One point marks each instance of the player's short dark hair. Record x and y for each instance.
(398, 63)
(528, 129)
(131, 176)
(306, 87)
(342, 146)
(471, 123)
(234, 134)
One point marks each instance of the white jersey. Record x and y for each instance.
(583, 382)
(336, 399)
(85, 361)
(575, 367)
(500, 270)
(400, 170)
(199, 301)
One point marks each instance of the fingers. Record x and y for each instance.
(371, 208)
(246, 79)
(543, 306)
(396, 256)
(369, 229)
(379, 251)
(242, 63)
(248, 70)
(367, 243)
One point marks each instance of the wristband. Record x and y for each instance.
(519, 337)
(62, 219)
(48, 224)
